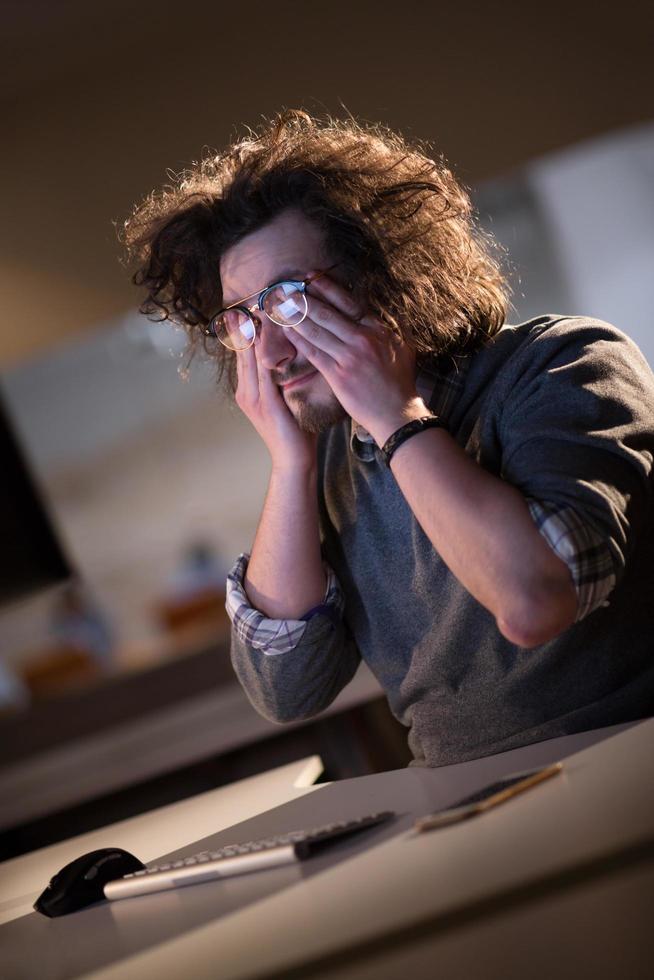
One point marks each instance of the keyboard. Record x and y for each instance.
(238, 859)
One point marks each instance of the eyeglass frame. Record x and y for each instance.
(249, 310)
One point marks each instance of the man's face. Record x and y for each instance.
(286, 248)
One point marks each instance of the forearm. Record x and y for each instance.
(285, 577)
(481, 527)
(301, 682)
(290, 669)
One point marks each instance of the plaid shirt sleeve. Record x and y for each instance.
(275, 636)
(586, 553)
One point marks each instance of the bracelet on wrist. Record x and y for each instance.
(405, 432)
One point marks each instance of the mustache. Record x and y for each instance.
(296, 371)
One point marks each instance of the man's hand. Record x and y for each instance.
(260, 400)
(371, 372)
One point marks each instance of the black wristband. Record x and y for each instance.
(405, 432)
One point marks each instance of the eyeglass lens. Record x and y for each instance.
(235, 329)
(284, 304)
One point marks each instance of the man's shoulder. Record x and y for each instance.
(551, 339)
(565, 326)
(561, 356)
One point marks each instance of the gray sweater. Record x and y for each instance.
(563, 409)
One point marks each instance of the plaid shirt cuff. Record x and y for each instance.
(274, 636)
(582, 548)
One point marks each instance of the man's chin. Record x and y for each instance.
(315, 417)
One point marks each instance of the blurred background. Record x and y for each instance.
(116, 692)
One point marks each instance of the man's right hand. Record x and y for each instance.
(285, 576)
(260, 399)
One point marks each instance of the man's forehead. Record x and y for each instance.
(288, 272)
(287, 247)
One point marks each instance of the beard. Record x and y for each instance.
(317, 414)
(317, 417)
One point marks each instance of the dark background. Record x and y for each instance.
(99, 99)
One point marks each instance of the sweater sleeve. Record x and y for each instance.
(577, 436)
(290, 669)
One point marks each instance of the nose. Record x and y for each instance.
(274, 349)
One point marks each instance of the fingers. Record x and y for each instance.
(256, 390)
(268, 389)
(318, 336)
(328, 334)
(247, 374)
(327, 299)
(335, 294)
(326, 317)
(313, 351)
(328, 328)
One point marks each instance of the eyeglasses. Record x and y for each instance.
(284, 302)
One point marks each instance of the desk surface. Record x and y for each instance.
(389, 887)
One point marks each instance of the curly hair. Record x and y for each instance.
(398, 222)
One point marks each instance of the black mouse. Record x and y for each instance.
(82, 882)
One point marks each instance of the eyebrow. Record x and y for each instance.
(288, 273)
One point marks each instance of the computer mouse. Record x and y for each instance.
(82, 882)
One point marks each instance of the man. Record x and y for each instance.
(464, 504)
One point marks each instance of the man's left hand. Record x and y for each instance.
(370, 371)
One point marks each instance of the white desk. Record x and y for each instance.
(491, 897)
(171, 827)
